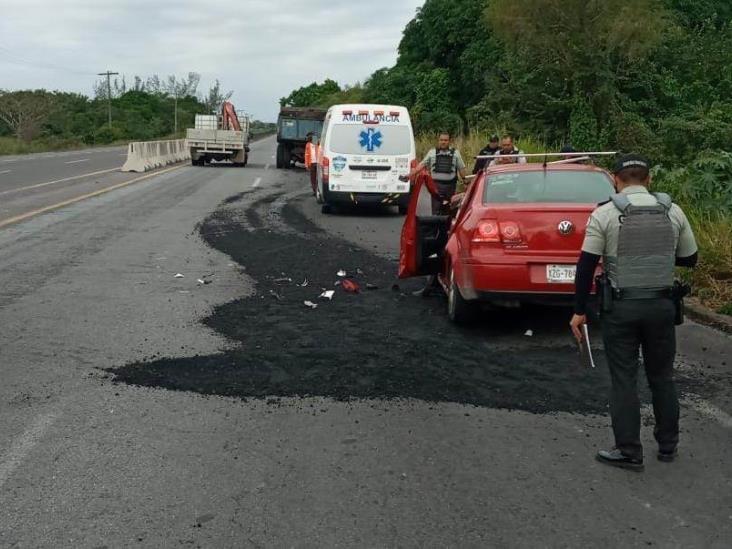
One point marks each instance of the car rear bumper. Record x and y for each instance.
(513, 281)
(395, 199)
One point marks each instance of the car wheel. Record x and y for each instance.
(459, 310)
(403, 210)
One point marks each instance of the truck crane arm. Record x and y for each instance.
(229, 120)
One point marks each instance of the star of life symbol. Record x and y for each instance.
(371, 139)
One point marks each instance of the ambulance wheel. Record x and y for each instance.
(459, 310)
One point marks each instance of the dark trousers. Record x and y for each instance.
(446, 189)
(314, 177)
(646, 324)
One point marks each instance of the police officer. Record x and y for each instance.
(489, 150)
(445, 164)
(508, 148)
(640, 236)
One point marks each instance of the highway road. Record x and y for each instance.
(214, 409)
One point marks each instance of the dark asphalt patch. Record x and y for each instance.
(379, 344)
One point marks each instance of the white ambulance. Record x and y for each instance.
(365, 149)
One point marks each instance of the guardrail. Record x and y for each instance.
(143, 156)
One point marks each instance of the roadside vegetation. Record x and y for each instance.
(41, 120)
(648, 76)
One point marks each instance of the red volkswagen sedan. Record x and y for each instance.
(516, 236)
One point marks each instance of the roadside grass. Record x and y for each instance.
(712, 279)
(11, 145)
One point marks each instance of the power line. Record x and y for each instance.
(16, 59)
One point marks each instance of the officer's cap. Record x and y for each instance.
(631, 161)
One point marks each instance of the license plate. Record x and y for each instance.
(561, 274)
(369, 175)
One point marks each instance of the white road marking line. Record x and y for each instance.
(24, 444)
(5, 171)
(38, 185)
(257, 182)
(28, 215)
(77, 161)
(708, 410)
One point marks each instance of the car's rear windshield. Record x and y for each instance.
(365, 139)
(547, 186)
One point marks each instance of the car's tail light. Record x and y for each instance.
(325, 165)
(487, 231)
(510, 231)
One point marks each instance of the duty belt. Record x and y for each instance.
(640, 293)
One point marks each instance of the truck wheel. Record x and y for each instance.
(280, 157)
(459, 310)
(286, 158)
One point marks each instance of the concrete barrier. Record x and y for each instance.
(143, 156)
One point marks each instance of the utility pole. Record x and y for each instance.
(109, 93)
(175, 132)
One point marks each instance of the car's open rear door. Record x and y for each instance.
(424, 237)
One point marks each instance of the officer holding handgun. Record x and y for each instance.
(640, 237)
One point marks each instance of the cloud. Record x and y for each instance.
(261, 49)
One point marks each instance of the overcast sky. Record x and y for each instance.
(261, 49)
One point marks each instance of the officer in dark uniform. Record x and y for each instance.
(445, 164)
(640, 237)
(489, 150)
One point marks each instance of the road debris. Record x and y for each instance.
(342, 273)
(310, 304)
(282, 280)
(370, 286)
(305, 283)
(351, 286)
(529, 333)
(277, 296)
(327, 294)
(179, 276)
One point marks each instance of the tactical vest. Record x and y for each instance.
(646, 246)
(444, 162)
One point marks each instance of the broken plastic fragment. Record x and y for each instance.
(327, 294)
(351, 286)
(201, 281)
(529, 333)
(277, 296)
(282, 280)
(179, 276)
(370, 286)
(304, 283)
(341, 273)
(310, 304)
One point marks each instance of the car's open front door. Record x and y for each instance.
(424, 237)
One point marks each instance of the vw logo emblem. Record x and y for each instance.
(566, 227)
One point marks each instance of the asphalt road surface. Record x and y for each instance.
(216, 410)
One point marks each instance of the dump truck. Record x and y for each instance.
(293, 126)
(220, 137)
